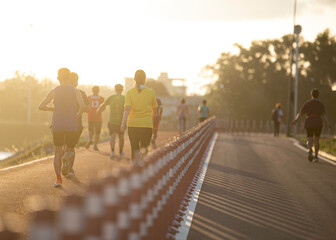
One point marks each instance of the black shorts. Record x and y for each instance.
(65, 138)
(314, 132)
(113, 128)
(95, 127)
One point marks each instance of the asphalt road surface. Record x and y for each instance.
(260, 187)
(31, 186)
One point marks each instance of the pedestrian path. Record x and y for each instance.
(258, 187)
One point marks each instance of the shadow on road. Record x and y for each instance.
(235, 204)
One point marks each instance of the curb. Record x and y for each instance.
(322, 155)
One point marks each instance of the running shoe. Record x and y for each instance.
(88, 144)
(121, 155)
(95, 147)
(316, 159)
(310, 155)
(112, 155)
(58, 182)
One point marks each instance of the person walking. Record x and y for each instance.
(139, 103)
(116, 103)
(94, 118)
(277, 117)
(203, 111)
(182, 115)
(64, 123)
(156, 121)
(316, 113)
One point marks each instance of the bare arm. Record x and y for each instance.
(297, 118)
(326, 120)
(101, 108)
(80, 101)
(125, 116)
(44, 104)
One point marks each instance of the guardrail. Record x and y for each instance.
(144, 201)
(253, 126)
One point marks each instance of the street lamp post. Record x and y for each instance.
(290, 82)
(297, 31)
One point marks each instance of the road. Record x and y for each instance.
(260, 187)
(20, 185)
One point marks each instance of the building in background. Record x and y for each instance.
(174, 86)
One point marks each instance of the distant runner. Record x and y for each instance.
(315, 112)
(116, 103)
(203, 111)
(94, 117)
(277, 117)
(139, 104)
(156, 121)
(182, 115)
(65, 123)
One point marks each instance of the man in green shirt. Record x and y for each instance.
(116, 103)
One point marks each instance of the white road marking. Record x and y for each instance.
(187, 218)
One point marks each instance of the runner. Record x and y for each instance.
(156, 121)
(65, 123)
(139, 104)
(315, 112)
(74, 82)
(277, 117)
(116, 103)
(94, 117)
(182, 114)
(203, 111)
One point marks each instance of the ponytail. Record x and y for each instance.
(140, 78)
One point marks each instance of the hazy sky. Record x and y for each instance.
(105, 41)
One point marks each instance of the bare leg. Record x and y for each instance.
(57, 159)
(97, 136)
(70, 156)
(121, 142)
(310, 142)
(316, 145)
(112, 141)
(90, 138)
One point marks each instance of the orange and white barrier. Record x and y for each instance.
(145, 201)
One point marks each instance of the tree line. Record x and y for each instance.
(252, 81)
(22, 90)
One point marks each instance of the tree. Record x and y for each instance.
(251, 82)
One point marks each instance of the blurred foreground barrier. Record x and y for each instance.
(145, 201)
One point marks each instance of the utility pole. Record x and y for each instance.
(297, 31)
(290, 93)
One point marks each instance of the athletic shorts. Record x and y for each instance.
(95, 127)
(65, 138)
(113, 128)
(314, 132)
